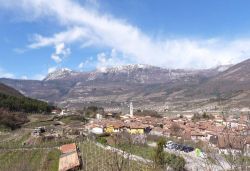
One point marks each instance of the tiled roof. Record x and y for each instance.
(68, 148)
(68, 161)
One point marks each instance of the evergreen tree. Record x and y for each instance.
(159, 153)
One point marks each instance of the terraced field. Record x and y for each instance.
(29, 160)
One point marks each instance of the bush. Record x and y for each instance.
(162, 158)
(101, 140)
(159, 153)
(175, 162)
(10, 120)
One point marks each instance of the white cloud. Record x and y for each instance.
(87, 64)
(71, 35)
(5, 74)
(81, 65)
(88, 27)
(60, 53)
(38, 77)
(52, 69)
(56, 58)
(24, 77)
(105, 60)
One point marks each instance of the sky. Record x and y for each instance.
(39, 36)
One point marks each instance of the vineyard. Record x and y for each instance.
(17, 156)
(19, 151)
(96, 158)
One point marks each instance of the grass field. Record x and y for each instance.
(140, 150)
(174, 161)
(29, 160)
(97, 159)
(14, 140)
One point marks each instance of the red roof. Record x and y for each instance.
(68, 148)
(69, 161)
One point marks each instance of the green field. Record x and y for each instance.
(29, 160)
(97, 159)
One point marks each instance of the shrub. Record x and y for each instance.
(159, 153)
(101, 140)
(175, 162)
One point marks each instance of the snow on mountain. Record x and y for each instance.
(124, 68)
(139, 72)
(60, 74)
(222, 68)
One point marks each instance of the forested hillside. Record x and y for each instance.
(14, 107)
(4, 89)
(13, 101)
(23, 104)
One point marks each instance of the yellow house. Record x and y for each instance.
(132, 128)
(136, 128)
(114, 127)
(109, 129)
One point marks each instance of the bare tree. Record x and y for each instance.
(231, 153)
(120, 159)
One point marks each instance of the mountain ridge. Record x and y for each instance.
(148, 86)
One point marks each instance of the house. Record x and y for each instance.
(69, 159)
(166, 132)
(136, 128)
(97, 130)
(229, 142)
(56, 111)
(109, 129)
(98, 116)
(114, 127)
(197, 135)
(68, 148)
(64, 112)
(157, 131)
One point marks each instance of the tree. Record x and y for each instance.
(232, 151)
(120, 158)
(159, 153)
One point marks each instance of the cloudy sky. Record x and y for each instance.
(40, 36)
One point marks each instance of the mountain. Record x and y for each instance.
(231, 87)
(147, 86)
(62, 73)
(14, 107)
(4, 89)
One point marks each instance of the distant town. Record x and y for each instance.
(212, 134)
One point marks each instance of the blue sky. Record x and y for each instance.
(40, 36)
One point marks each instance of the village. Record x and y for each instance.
(211, 134)
(85, 138)
(214, 130)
